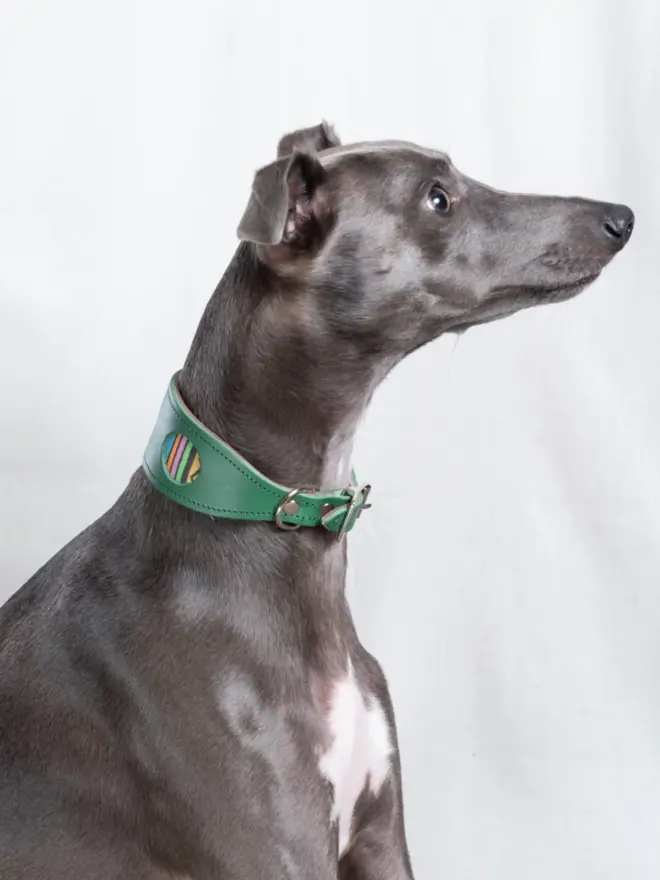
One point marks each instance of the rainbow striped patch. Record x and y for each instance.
(181, 459)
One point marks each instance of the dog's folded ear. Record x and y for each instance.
(319, 137)
(287, 204)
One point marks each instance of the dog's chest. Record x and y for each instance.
(358, 755)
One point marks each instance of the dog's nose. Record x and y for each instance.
(618, 224)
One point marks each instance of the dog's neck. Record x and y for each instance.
(268, 377)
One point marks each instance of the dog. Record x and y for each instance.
(183, 694)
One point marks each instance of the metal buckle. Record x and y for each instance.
(293, 508)
(355, 492)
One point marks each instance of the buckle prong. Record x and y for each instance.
(356, 492)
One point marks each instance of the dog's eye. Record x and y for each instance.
(438, 200)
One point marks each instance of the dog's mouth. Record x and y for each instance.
(549, 289)
(542, 293)
(563, 291)
(510, 299)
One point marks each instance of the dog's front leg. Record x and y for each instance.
(378, 849)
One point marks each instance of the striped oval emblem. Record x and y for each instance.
(181, 459)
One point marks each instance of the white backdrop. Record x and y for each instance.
(517, 612)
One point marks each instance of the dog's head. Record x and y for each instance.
(396, 246)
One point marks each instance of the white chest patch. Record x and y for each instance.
(359, 754)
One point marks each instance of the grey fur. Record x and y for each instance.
(163, 677)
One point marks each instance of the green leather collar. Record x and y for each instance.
(193, 467)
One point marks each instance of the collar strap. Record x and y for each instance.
(193, 467)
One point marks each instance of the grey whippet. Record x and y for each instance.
(185, 696)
